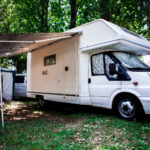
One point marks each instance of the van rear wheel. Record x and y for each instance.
(128, 107)
(41, 101)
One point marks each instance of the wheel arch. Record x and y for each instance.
(126, 93)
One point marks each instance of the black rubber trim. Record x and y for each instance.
(53, 93)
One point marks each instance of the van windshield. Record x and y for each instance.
(131, 61)
(19, 79)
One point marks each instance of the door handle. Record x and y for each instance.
(89, 80)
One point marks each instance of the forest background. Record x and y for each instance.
(39, 16)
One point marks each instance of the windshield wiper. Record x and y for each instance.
(139, 68)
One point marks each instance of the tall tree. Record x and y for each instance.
(44, 15)
(105, 10)
(73, 18)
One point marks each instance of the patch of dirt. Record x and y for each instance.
(17, 110)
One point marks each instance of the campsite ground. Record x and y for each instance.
(69, 127)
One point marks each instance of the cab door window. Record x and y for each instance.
(108, 61)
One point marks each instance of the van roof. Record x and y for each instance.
(106, 35)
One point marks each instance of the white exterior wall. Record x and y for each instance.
(57, 81)
(83, 74)
(103, 35)
(95, 33)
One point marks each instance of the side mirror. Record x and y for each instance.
(112, 69)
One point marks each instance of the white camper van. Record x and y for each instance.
(101, 65)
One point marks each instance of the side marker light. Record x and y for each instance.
(135, 83)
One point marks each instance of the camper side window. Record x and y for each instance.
(97, 64)
(50, 60)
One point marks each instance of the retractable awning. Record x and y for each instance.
(13, 44)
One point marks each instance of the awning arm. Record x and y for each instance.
(8, 41)
(38, 41)
(51, 39)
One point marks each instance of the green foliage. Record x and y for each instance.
(134, 15)
(87, 11)
(18, 61)
(5, 63)
(25, 16)
(33, 16)
(59, 15)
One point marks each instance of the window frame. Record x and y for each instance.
(104, 62)
(50, 62)
(115, 61)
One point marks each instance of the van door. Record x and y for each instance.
(101, 83)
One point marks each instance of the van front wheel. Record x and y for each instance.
(127, 107)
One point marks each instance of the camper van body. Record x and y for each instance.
(76, 70)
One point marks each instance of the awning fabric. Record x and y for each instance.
(13, 44)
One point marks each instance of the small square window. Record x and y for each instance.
(50, 60)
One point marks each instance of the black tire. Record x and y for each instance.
(128, 107)
(41, 101)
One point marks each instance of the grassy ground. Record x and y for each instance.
(27, 127)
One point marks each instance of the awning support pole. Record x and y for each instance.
(1, 97)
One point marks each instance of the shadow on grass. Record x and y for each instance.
(88, 110)
(23, 109)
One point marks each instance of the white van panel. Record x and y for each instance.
(57, 79)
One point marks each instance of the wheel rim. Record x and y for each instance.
(126, 108)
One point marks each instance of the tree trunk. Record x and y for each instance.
(104, 10)
(44, 15)
(73, 18)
